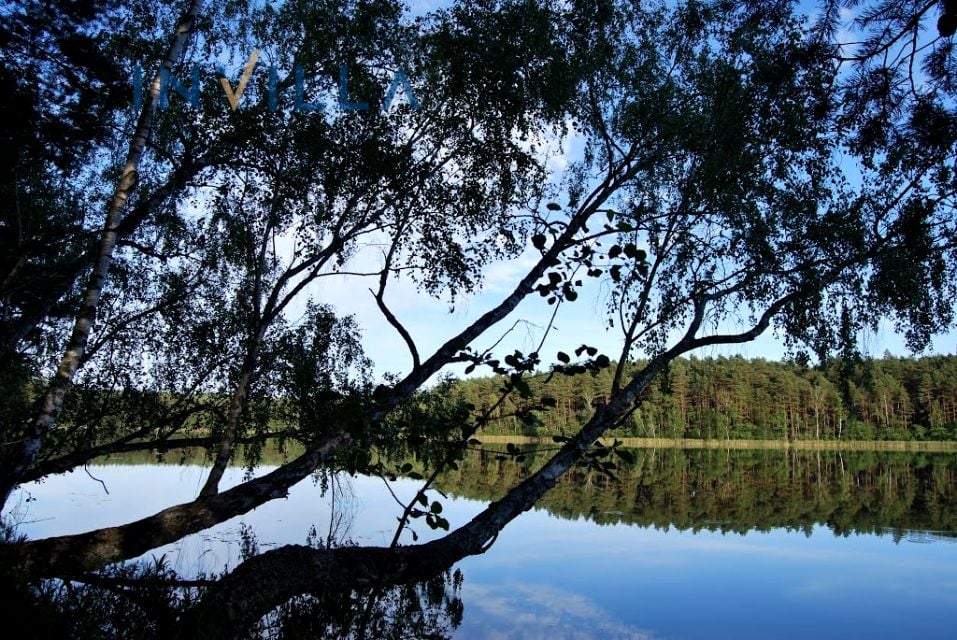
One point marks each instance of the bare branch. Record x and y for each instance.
(380, 301)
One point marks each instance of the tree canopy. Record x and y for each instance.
(745, 167)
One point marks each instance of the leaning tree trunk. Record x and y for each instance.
(77, 554)
(263, 582)
(236, 405)
(32, 441)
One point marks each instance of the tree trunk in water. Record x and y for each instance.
(93, 550)
(263, 582)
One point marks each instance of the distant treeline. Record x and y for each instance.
(874, 399)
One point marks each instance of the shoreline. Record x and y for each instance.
(696, 443)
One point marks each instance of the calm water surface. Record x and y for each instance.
(685, 544)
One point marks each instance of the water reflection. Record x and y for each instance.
(742, 490)
(693, 544)
(536, 611)
(431, 609)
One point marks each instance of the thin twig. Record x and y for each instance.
(87, 469)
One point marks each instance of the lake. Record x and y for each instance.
(683, 544)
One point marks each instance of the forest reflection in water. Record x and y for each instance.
(733, 490)
(805, 537)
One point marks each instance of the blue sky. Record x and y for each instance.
(431, 322)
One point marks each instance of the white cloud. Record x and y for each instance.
(533, 611)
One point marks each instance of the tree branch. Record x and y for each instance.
(81, 553)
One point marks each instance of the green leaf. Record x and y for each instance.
(625, 455)
(521, 385)
(553, 206)
(538, 241)
(436, 507)
(564, 357)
